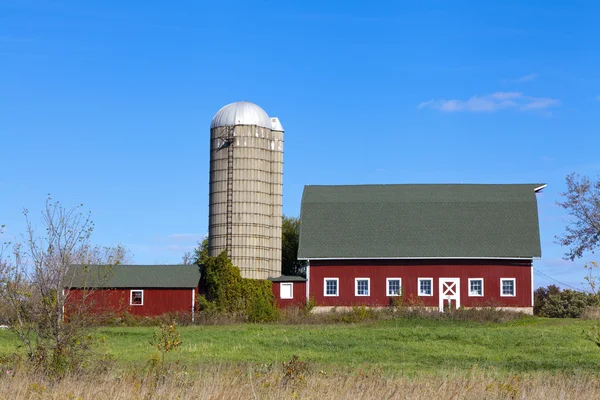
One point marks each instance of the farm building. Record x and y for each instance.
(436, 245)
(289, 291)
(146, 290)
(245, 188)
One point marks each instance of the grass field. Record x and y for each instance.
(406, 346)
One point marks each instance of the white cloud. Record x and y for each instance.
(491, 103)
(522, 79)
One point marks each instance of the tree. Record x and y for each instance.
(541, 295)
(198, 255)
(582, 203)
(35, 278)
(290, 237)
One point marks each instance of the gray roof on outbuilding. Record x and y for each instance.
(135, 276)
(420, 221)
(287, 278)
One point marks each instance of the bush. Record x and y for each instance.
(566, 304)
(233, 295)
(360, 314)
(540, 297)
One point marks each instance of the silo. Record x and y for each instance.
(245, 196)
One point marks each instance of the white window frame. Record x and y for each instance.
(514, 280)
(419, 287)
(368, 287)
(387, 287)
(482, 287)
(291, 285)
(131, 297)
(337, 286)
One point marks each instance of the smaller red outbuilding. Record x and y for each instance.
(147, 290)
(289, 291)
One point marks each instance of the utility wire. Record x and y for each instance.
(562, 283)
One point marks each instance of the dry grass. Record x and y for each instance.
(591, 313)
(267, 382)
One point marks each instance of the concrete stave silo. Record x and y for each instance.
(245, 200)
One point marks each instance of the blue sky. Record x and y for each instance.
(109, 104)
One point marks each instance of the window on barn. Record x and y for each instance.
(136, 298)
(394, 286)
(286, 291)
(425, 286)
(331, 286)
(476, 287)
(507, 287)
(361, 286)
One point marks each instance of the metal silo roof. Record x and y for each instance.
(276, 125)
(241, 113)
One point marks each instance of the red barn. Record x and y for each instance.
(436, 245)
(148, 290)
(289, 291)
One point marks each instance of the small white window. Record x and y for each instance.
(331, 287)
(425, 286)
(393, 286)
(136, 298)
(361, 286)
(286, 291)
(476, 287)
(507, 287)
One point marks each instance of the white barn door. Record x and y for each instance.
(449, 293)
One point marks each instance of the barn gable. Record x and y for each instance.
(463, 221)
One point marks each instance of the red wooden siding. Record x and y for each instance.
(299, 295)
(156, 301)
(410, 270)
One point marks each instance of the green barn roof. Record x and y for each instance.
(420, 221)
(134, 276)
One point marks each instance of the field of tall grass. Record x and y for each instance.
(265, 382)
(441, 357)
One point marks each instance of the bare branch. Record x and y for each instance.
(582, 203)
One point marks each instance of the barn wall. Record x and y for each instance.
(378, 270)
(156, 301)
(299, 293)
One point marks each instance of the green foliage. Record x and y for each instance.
(308, 306)
(290, 238)
(165, 341)
(260, 305)
(563, 304)
(359, 314)
(540, 297)
(232, 294)
(593, 333)
(205, 306)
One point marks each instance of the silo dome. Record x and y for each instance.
(241, 113)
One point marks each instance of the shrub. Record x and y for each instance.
(234, 295)
(165, 341)
(540, 297)
(360, 314)
(566, 304)
(308, 306)
(294, 371)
